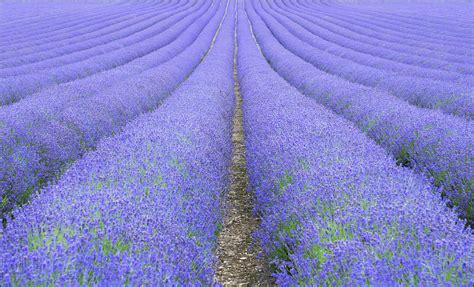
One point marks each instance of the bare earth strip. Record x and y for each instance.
(239, 263)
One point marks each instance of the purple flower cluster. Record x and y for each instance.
(144, 208)
(335, 208)
(436, 144)
(40, 135)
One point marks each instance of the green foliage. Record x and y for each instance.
(283, 183)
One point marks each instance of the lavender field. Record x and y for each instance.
(227, 142)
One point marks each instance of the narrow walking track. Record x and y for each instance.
(238, 263)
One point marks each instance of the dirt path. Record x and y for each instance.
(239, 264)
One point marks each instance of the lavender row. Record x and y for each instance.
(42, 24)
(19, 14)
(349, 49)
(41, 13)
(71, 38)
(440, 68)
(447, 30)
(433, 143)
(410, 52)
(103, 45)
(59, 96)
(147, 200)
(457, 48)
(40, 138)
(335, 209)
(387, 34)
(66, 26)
(451, 98)
(395, 27)
(77, 37)
(101, 36)
(21, 37)
(15, 88)
(453, 14)
(425, 16)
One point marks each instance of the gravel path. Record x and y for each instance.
(239, 263)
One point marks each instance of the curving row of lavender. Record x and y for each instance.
(455, 98)
(371, 44)
(361, 35)
(453, 26)
(78, 52)
(436, 144)
(42, 134)
(64, 23)
(399, 28)
(72, 43)
(19, 86)
(148, 199)
(336, 210)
